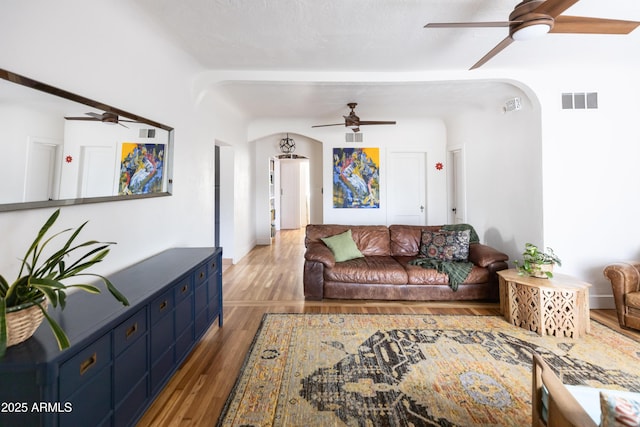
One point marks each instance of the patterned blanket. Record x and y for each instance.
(458, 271)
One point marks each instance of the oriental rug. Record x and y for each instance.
(411, 370)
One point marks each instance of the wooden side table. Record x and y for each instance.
(558, 306)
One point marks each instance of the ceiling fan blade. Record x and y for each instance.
(493, 52)
(334, 124)
(583, 25)
(554, 8)
(376, 122)
(95, 115)
(91, 119)
(470, 24)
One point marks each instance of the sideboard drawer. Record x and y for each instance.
(201, 297)
(91, 403)
(183, 289)
(130, 330)
(132, 405)
(213, 266)
(81, 368)
(184, 316)
(161, 306)
(129, 368)
(201, 274)
(161, 370)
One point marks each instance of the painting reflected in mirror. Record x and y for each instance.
(59, 148)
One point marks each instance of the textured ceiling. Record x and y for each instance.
(372, 36)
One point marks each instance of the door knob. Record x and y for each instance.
(421, 208)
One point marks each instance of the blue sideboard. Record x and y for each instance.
(120, 357)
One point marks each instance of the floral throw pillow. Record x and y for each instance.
(445, 245)
(618, 411)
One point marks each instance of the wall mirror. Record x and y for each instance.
(59, 148)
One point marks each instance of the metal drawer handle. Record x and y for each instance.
(201, 274)
(132, 330)
(84, 366)
(185, 288)
(163, 305)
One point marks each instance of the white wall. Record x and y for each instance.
(503, 179)
(590, 174)
(408, 135)
(227, 127)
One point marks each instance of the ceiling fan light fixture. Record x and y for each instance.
(531, 32)
(110, 118)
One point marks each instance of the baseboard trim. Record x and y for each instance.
(601, 302)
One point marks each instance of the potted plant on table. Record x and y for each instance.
(537, 263)
(23, 303)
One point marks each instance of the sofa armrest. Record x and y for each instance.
(313, 280)
(319, 252)
(625, 278)
(483, 255)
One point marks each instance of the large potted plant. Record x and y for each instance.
(537, 263)
(23, 303)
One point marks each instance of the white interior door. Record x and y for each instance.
(457, 212)
(290, 195)
(407, 188)
(41, 172)
(96, 172)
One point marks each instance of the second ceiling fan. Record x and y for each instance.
(533, 18)
(106, 117)
(353, 122)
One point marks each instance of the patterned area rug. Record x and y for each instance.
(411, 370)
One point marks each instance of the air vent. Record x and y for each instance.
(580, 101)
(353, 137)
(147, 133)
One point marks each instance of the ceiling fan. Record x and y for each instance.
(533, 18)
(353, 122)
(106, 117)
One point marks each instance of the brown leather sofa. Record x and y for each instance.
(384, 273)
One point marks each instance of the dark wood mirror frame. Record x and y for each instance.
(51, 90)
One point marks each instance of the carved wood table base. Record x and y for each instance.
(558, 306)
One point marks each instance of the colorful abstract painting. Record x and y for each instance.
(141, 168)
(356, 182)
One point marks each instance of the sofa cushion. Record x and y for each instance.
(342, 246)
(445, 245)
(418, 275)
(371, 240)
(617, 410)
(371, 269)
(632, 299)
(405, 239)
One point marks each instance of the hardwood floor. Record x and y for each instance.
(269, 280)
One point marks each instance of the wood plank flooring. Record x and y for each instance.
(269, 280)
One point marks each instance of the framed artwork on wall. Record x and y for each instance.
(356, 182)
(141, 168)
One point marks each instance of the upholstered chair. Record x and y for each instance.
(625, 283)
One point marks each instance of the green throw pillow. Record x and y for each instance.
(343, 246)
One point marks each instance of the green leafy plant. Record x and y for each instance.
(533, 258)
(39, 279)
